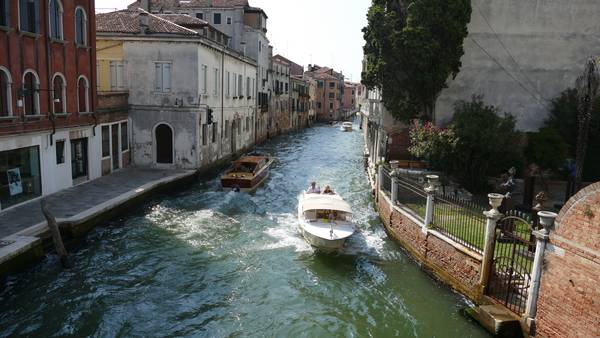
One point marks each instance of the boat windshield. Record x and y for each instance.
(327, 215)
(245, 167)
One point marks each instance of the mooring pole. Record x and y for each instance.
(56, 237)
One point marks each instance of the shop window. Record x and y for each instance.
(124, 137)
(80, 27)
(20, 178)
(29, 16)
(5, 93)
(83, 95)
(105, 141)
(60, 152)
(56, 19)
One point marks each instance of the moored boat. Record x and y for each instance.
(247, 173)
(325, 220)
(346, 126)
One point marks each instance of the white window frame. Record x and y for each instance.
(36, 97)
(63, 98)
(160, 85)
(8, 93)
(87, 94)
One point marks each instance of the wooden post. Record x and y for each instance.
(56, 237)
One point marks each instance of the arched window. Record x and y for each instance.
(59, 97)
(31, 93)
(56, 19)
(80, 27)
(5, 93)
(83, 97)
(29, 16)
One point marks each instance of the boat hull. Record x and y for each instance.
(321, 243)
(249, 183)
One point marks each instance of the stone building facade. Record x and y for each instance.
(329, 92)
(48, 140)
(280, 106)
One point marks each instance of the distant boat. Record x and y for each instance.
(346, 126)
(325, 220)
(247, 173)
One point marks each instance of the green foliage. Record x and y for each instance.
(479, 143)
(546, 148)
(431, 143)
(563, 119)
(412, 47)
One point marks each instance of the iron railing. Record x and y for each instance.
(461, 220)
(412, 196)
(386, 182)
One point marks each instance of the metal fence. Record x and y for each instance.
(412, 196)
(386, 182)
(461, 220)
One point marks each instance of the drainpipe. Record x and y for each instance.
(222, 100)
(49, 79)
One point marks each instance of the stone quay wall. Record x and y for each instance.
(447, 260)
(569, 300)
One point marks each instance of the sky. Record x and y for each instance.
(322, 32)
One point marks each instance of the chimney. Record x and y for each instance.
(144, 19)
(243, 48)
(145, 5)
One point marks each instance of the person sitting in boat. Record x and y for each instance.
(314, 188)
(328, 191)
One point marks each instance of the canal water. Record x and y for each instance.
(206, 263)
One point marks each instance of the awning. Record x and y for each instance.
(324, 202)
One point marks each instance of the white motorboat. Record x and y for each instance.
(325, 220)
(346, 126)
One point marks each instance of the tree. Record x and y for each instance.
(587, 85)
(563, 119)
(412, 47)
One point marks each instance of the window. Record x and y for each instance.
(56, 19)
(124, 136)
(331, 105)
(80, 27)
(259, 46)
(234, 85)
(5, 93)
(31, 94)
(5, 12)
(162, 77)
(229, 20)
(226, 129)
(286, 87)
(247, 86)
(20, 168)
(319, 105)
(320, 84)
(117, 76)
(239, 126)
(332, 95)
(59, 99)
(247, 123)
(215, 131)
(217, 18)
(240, 85)
(204, 79)
(200, 16)
(216, 82)
(331, 84)
(204, 134)
(105, 141)
(227, 84)
(60, 152)
(83, 95)
(29, 16)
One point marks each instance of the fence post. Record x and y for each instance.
(547, 221)
(430, 190)
(492, 216)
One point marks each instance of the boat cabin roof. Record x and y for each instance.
(252, 159)
(325, 202)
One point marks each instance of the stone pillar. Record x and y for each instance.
(430, 190)
(547, 221)
(379, 180)
(492, 216)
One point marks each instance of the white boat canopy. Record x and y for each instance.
(325, 202)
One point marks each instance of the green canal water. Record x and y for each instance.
(205, 263)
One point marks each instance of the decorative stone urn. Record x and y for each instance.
(547, 219)
(433, 182)
(495, 201)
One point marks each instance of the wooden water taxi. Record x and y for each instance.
(247, 173)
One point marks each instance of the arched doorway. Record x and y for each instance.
(164, 144)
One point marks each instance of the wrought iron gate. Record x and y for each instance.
(513, 258)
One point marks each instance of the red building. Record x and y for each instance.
(47, 97)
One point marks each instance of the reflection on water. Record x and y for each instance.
(208, 263)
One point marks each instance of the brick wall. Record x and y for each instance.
(457, 267)
(569, 301)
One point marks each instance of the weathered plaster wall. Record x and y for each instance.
(569, 301)
(550, 41)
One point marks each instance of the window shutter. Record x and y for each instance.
(121, 75)
(167, 77)
(157, 77)
(113, 76)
